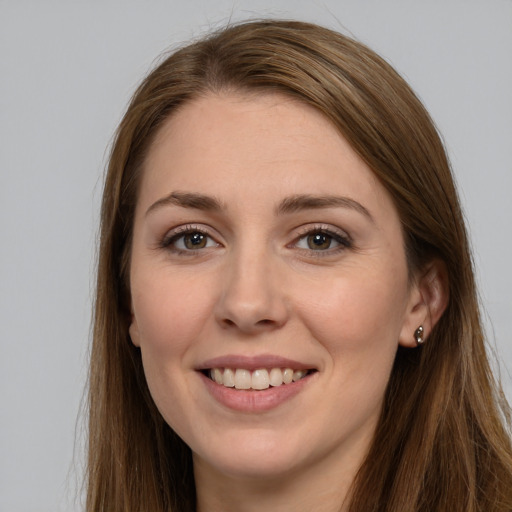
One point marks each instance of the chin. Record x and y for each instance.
(255, 456)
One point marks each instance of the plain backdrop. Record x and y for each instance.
(67, 71)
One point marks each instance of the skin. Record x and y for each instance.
(257, 287)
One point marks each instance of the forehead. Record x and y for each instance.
(238, 145)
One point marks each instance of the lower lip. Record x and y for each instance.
(255, 401)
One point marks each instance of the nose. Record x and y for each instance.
(252, 297)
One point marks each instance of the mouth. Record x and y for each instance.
(256, 380)
(258, 383)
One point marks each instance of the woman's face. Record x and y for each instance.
(264, 247)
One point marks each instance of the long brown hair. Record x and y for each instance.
(442, 443)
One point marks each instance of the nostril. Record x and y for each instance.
(265, 322)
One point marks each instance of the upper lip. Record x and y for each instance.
(253, 362)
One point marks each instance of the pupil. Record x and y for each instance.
(195, 240)
(319, 241)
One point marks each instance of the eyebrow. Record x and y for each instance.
(288, 205)
(188, 200)
(310, 202)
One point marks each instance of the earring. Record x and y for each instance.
(418, 335)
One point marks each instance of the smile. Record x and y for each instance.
(257, 380)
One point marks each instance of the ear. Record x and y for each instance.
(134, 330)
(427, 301)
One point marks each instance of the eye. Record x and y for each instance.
(322, 240)
(192, 241)
(319, 241)
(188, 240)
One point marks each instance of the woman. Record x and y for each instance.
(286, 314)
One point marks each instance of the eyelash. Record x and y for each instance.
(171, 239)
(344, 241)
(341, 238)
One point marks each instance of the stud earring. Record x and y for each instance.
(418, 335)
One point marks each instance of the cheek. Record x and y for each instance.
(359, 312)
(170, 312)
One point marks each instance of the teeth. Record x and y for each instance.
(298, 374)
(276, 377)
(229, 378)
(287, 375)
(260, 379)
(217, 375)
(243, 379)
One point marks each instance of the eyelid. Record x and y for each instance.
(339, 235)
(322, 228)
(176, 233)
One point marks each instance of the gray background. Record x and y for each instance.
(67, 71)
